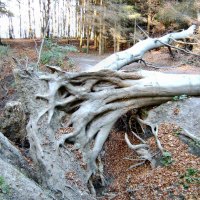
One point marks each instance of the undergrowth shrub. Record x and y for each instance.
(166, 159)
(55, 54)
(4, 51)
(190, 176)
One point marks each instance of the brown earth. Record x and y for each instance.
(141, 183)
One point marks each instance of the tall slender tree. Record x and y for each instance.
(4, 11)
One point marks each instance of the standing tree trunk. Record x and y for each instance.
(149, 16)
(1, 42)
(11, 29)
(100, 28)
(47, 18)
(20, 19)
(68, 21)
(33, 13)
(88, 39)
(29, 20)
(118, 44)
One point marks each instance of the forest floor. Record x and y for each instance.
(175, 181)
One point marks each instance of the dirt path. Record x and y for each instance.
(85, 61)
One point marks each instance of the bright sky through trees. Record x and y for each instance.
(23, 10)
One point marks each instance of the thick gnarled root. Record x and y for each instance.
(143, 152)
(143, 149)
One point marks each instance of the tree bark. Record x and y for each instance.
(20, 19)
(11, 30)
(88, 39)
(47, 19)
(30, 31)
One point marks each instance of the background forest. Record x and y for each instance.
(106, 24)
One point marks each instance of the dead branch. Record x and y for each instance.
(186, 51)
(143, 151)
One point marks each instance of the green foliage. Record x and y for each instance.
(4, 51)
(177, 131)
(181, 97)
(4, 187)
(46, 56)
(166, 159)
(84, 50)
(48, 44)
(190, 176)
(71, 62)
(55, 54)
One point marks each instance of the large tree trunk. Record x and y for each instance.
(65, 154)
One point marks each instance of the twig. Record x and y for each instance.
(143, 61)
(181, 42)
(133, 159)
(143, 31)
(154, 129)
(159, 67)
(26, 62)
(136, 165)
(143, 151)
(168, 45)
(137, 136)
(16, 61)
(136, 146)
(170, 52)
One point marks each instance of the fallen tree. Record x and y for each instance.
(91, 102)
(120, 59)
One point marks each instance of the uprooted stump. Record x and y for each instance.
(92, 102)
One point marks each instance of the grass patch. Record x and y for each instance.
(189, 177)
(54, 54)
(181, 97)
(4, 51)
(166, 159)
